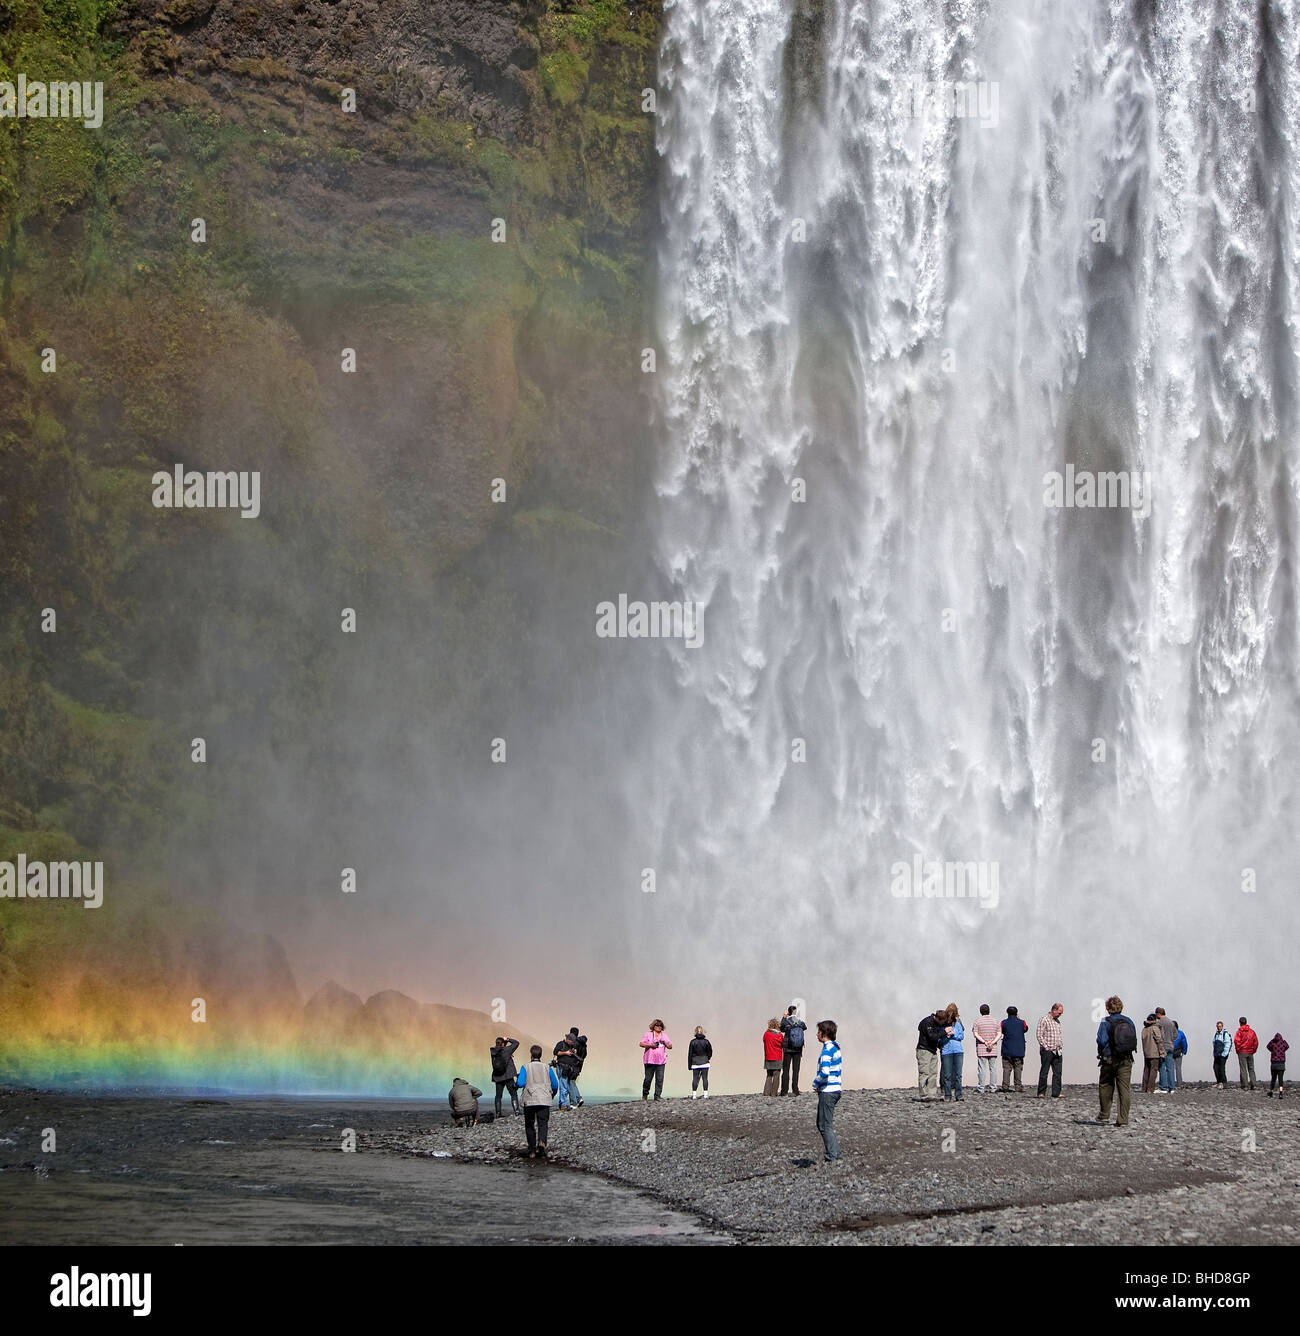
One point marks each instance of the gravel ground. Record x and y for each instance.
(991, 1169)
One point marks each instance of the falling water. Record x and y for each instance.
(879, 330)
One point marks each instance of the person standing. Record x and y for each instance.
(1153, 1052)
(952, 1055)
(1014, 1031)
(464, 1099)
(699, 1054)
(540, 1085)
(1116, 1045)
(1277, 1047)
(792, 1028)
(1180, 1051)
(504, 1073)
(1246, 1042)
(1049, 1051)
(773, 1041)
(931, 1037)
(987, 1032)
(654, 1051)
(1168, 1039)
(1222, 1045)
(565, 1062)
(577, 1057)
(828, 1083)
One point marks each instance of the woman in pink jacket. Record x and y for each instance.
(654, 1053)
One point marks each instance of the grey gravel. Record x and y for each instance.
(1020, 1169)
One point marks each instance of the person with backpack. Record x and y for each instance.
(1014, 1031)
(952, 1055)
(1116, 1046)
(1153, 1053)
(577, 1058)
(1222, 1045)
(504, 1073)
(1180, 1051)
(1246, 1042)
(699, 1054)
(1277, 1047)
(987, 1032)
(773, 1041)
(565, 1062)
(540, 1086)
(654, 1053)
(828, 1083)
(792, 1030)
(932, 1035)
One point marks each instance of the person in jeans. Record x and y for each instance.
(931, 1037)
(1169, 1041)
(1277, 1047)
(828, 1083)
(1014, 1031)
(540, 1085)
(952, 1055)
(565, 1055)
(1246, 1042)
(578, 1045)
(773, 1041)
(1222, 1046)
(699, 1054)
(654, 1051)
(1049, 1051)
(504, 1073)
(1116, 1045)
(1153, 1053)
(987, 1032)
(792, 1028)
(1180, 1052)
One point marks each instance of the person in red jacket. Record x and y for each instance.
(1277, 1047)
(773, 1042)
(1246, 1042)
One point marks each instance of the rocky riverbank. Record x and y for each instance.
(993, 1169)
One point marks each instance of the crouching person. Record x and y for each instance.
(538, 1082)
(464, 1099)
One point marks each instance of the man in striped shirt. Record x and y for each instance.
(1049, 1051)
(828, 1084)
(987, 1032)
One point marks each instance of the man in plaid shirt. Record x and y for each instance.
(1049, 1051)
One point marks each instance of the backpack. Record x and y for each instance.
(794, 1035)
(1123, 1037)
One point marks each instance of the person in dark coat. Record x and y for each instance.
(1013, 1051)
(698, 1057)
(503, 1071)
(464, 1099)
(1277, 1047)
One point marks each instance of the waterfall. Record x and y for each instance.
(919, 259)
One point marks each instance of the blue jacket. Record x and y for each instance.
(954, 1044)
(1013, 1037)
(1181, 1045)
(1103, 1034)
(1222, 1043)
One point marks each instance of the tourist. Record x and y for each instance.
(773, 1042)
(1277, 1047)
(504, 1071)
(827, 1083)
(1014, 1031)
(931, 1037)
(987, 1032)
(655, 1045)
(540, 1085)
(464, 1099)
(567, 1066)
(1168, 1039)
(1180, 1051)
(1049, 1051)
(578, 1042)
(791, 1050)
(699, 1054)
(952, 1055)
(1116, 1045)
(1246, 1042)
(1153, 1052)
(1222, 1046)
